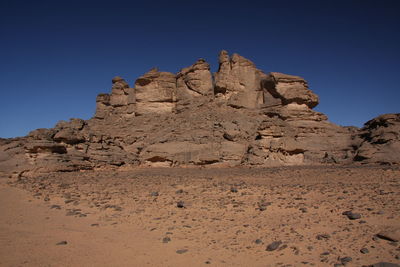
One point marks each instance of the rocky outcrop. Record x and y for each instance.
(120, 102)
(239, 116)
(196, 80)
(70, 132)
(296, 142)
(194, 83)
(290, 89)
(379, 140)
(155, 92)
(238, 82)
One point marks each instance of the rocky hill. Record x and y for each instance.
(236, 116)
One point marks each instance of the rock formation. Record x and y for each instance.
(155, 92)
(379, 140)
(121, 102)
(237, 116)
(238, 82)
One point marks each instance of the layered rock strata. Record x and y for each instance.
(121, 101)
(237, 116)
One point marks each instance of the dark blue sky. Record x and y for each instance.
(56, 56)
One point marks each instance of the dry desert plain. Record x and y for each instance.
(289, 216)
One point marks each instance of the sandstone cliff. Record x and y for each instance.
(237, 116)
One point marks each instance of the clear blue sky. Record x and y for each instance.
(56, 56)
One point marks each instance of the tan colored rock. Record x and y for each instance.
(390, 233)
(238, 81)
(44, 146)
(294, 111)
(232, 152)
(196, 80)
(155, 92)
(121, 93)
(241, 84)
(42, 134)
(103, 107)
(253, 119)
(290, 89)
(69, 132)
(177, 153)
(194, 84)
(121, 101)
(13, 160)
(295, 142)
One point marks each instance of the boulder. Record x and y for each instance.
(390, 233)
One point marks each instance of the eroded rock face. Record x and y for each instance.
(120, 102)
(70, 132)
(297, 142)
(194, 83)
(155, 92)
(241, 116)
(379, 140)
(290, 89)
(196, 80)
(238, 81)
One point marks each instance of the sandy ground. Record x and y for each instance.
(200, 217)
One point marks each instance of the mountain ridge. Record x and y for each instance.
(237, 116)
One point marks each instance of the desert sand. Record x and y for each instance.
(288, 216)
